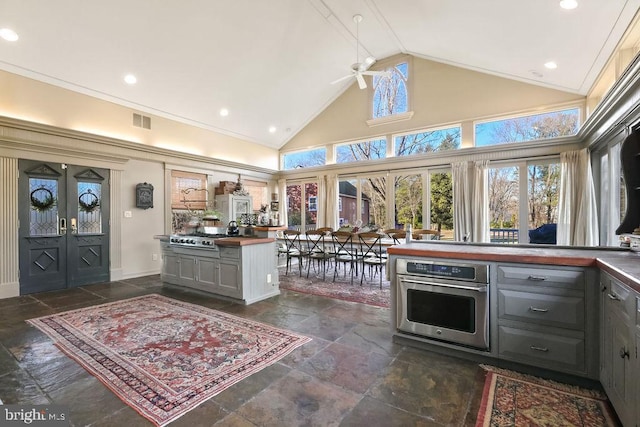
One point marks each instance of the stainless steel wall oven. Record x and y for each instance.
(442, 300)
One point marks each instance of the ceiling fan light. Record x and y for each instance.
(369, 60)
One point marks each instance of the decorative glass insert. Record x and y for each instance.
(390, 93)
(89, 211)
(305, 159)
(427, 141)
(528, 128)
(43, 218)
(364, 150)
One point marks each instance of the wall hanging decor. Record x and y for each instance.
(144, 196)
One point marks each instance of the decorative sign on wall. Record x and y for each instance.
(144, 196)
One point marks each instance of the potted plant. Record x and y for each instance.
(212, 215)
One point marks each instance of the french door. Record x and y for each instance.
(64, 226)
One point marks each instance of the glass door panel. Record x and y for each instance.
(441, 201)
(408, 201)
(504, 204)
(43, 215)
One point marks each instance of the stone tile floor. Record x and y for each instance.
(351, 374)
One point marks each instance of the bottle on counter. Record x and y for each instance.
(409, 233)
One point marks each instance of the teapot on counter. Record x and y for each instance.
(232, 229)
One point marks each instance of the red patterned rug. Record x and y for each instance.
(369, 293)
(164, 357)
(514, 399)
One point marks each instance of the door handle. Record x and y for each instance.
(74, 226)
(63, 225)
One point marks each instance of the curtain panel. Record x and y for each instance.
(462, 201)
(577, 211)
(282, 206)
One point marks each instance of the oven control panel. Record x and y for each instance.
(469, 272)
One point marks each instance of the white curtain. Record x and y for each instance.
(321, 202)
(461, 201)
(577, 211)
(282, 198)
(331, 202)
(480, 223)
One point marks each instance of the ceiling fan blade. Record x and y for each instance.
(341, 79)
(376, 73)
(361, 83)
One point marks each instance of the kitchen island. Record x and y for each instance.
(242, 269)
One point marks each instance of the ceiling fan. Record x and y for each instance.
(359, 69)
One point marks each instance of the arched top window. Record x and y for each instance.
(390, 95)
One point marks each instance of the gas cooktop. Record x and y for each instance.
(195, 240)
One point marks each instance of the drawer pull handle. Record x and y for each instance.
(543, 349)
(538, 310)
(613, 296)
(624, 353)
(537, 278)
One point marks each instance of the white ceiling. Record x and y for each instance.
(271, 62)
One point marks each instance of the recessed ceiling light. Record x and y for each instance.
(568, 4)
(8, 34)
(272, 129)
(224, 112)
(130, 79)
(551, 65)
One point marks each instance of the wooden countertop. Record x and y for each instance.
(270, 227)
(243, 241)
(620, 263)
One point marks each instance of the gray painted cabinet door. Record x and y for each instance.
(64, 226)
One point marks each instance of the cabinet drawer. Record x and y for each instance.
(226, 252)
(534, 276)
(550, 310)
(555, 352)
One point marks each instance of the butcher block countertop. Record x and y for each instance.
(623, 264)
(243, 241)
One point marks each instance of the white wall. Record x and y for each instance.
(138, 244)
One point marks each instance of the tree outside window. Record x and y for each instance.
(390, 92)
(427, 141)
(529, 128)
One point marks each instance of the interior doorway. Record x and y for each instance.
(64, 225)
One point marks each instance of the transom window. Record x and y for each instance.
(304, 159)
(364, 150)
(390, 95)
(427, 141)
(528, 128)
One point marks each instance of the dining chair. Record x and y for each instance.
(398, 237)
(318, 250)
(345, 253)
(371, 244)
(294, 249)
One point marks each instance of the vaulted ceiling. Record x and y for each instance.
(271, 63)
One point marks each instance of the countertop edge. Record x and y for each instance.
(607, 264)
(243, 241)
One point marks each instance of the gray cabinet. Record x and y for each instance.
(542, 317)
(195, 270)
(229, 277)
(169, 272)
(619, 366)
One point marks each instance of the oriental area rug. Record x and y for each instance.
(513, 399)
(163, 357)
(369, 293)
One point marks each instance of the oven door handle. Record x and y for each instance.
(447, 285)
